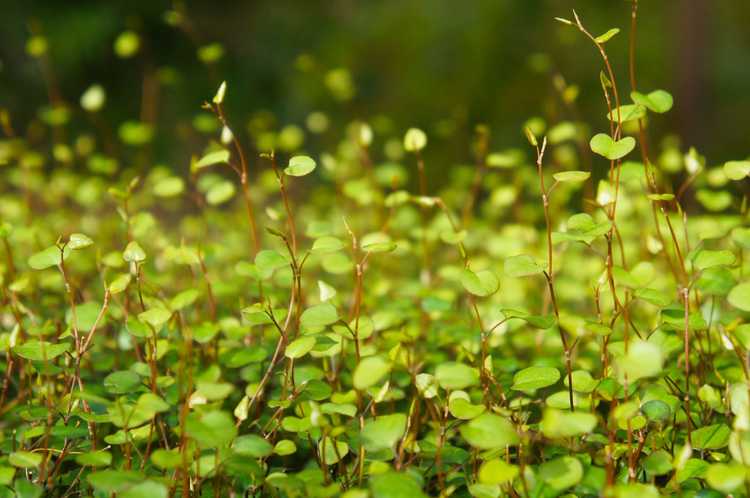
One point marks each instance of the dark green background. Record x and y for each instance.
(425, 63)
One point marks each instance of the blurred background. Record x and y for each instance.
(298, 71)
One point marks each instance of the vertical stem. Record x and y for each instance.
(287, 207)
(243, 175)
(549, 273)
(686, 339)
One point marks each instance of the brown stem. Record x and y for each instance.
(549, 273)
(287, 207)
(243, 175)
(686, 339)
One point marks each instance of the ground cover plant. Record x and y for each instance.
(569, 318)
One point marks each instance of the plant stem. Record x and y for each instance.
(686, 339)
(242, 173)
(549, 273)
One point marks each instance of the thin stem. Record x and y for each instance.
(218, 109)
(549, 273)
(287, 207)
(686, 339)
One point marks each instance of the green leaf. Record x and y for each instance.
(214, 391)
(134, 253)
(383, 432)
(285, 447)
(604, 38)
(319, 315)
(166, 459)
(707, 259)
(122, 382)
(636, 490)
(395, 485)
(52, 256)
(536, 321)
(93, 99)
(656, 410)
(370, 371)
(331, 451)
(481, 283)
(739, 296)
(113, 481)
(414, 140)
(300, 166)
(583, 382)
(213, 429)
(256, 315)
(713, 200)
(156, 317)
(40, 350)
(643, 359)
(79, 241)
(561, 473)
(506, 159)
(693, 468)
(300, 347)
(522, 265)
(376, 247)
(653, 296)
(460, 406)
(120, 283)
(220, 93)
(220, 192)
(563, 424)
(658, 463)
(327, 244)
(572, 176)
(184, 299)
(136, 133)
(726, 477)
(426, 385)
(603, 145)
(489, 431)
(532, 378)
(581, 227)
(170, 186)
(145, 489)
(25, 459)
(267, 261)
(252, 446)
(737, 170)
(660, 197)
(95, 458)
(711, 437)
(627, 112)
(127, 44)
(497, 471)
(452, 375)
(659, 101)
(214, 157)
(741, 237)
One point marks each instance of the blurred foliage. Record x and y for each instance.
(393, 63)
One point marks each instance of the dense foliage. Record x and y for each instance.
(551, 323)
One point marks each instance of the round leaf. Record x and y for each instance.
(572, 176)
(481, 283)
(603, 145)
(300, 166)
(300, 347)
(319, 315)
(370, 371)
(489, 431)
(532, 378)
